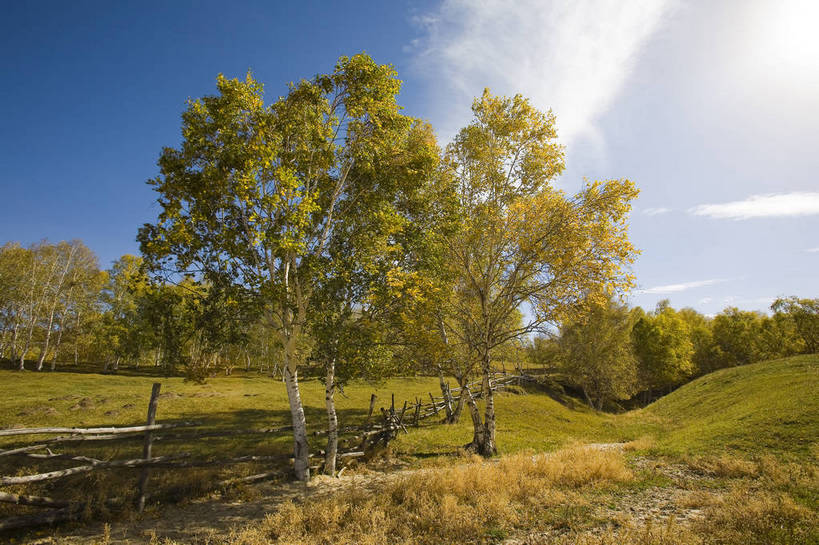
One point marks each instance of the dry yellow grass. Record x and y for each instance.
(753, 517)
(645, 442)
(465, 503)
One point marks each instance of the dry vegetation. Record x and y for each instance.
(465, 503)
(552, 499)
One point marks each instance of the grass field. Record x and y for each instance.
(734, 423)
(765, 408)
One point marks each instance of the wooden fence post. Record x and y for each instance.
(146, 449)
(370, 412)
(434, 406)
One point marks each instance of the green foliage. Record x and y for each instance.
(121, 328)
(804, 314)
(742, 337)
(663, 347)
(520, 239)
(597, 354)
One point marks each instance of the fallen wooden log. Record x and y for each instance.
(94, 431)
(67, 439)
(251, 478)
(52, 456)
(85, 469)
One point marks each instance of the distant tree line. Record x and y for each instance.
(57, 307)
(612, 353)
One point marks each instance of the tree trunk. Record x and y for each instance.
(588, 398)
(77, 339)
(57, 345)
(44, 351)
(446, 392)
(459, 408)
(301, 451)
(3, 342)
(13, 347)
(477, 423)
(488, 448)
(332, 419)
(483, 440)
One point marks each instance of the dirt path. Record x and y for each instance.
(199, 520)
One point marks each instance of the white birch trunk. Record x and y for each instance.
(44, 351)
(332, 419)
(57, 344)
(301, 450)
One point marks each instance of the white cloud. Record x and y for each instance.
(569, 55)
(656, 211)
(812, 250)
(772, 205)
(674, 288)
(705, 300)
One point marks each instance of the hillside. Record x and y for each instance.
(769, 407)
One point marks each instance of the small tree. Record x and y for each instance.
(662, 343)
(805, 315)
(597, 354)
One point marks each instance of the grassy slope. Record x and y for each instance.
(769, 406)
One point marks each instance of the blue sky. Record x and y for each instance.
(711, 108)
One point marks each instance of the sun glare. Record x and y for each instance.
(793, 40)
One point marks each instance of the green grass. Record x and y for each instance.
(765, 408)
(769, 407)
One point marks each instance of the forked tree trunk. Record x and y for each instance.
(301, 450)
(332, 419)
(477, 423)
(483, 440)
(488, 448)
(446, 392)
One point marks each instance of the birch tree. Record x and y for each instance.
(53, 293)
(254, 193)
(525, 246)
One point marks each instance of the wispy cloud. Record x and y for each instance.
(656, 211)
(674, 288)
(773, 205)
(812, 250)
(569, 55)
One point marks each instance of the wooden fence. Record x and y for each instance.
(360, 440)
